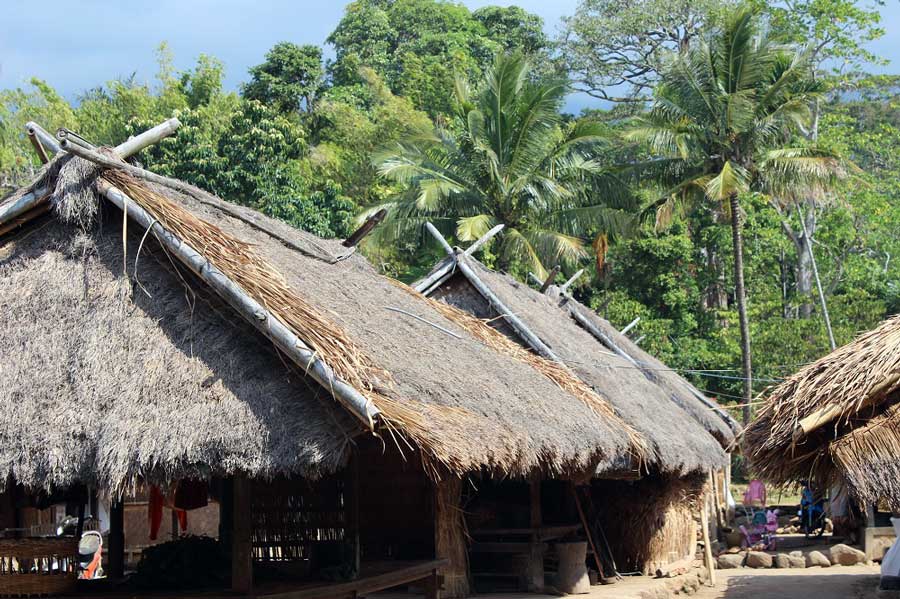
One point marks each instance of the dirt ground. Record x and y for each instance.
(853, 582)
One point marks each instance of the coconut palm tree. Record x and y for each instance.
(507, 156)
(721, 125)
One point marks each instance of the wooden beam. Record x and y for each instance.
(365, 229)
(253, 312)
(241, 541)
(116, 539)
(40, 208)
(587, 530)
(551, 276)
(38, 148)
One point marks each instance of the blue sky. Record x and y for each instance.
(75, 45)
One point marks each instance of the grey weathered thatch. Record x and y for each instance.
(677, 442)
(109, 380)
(836, 419)
(714, 420)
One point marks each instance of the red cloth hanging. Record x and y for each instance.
(155, 512)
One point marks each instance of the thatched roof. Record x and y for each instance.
(677, 442)
(836, 419)
(110, 385)
(704, 410)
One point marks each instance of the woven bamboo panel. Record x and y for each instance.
(290, 516)
(37, 567)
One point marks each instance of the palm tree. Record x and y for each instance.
(507, 156)
(721, 126)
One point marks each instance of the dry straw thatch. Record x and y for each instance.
(468, 405)
(852, 395)
(675, 441)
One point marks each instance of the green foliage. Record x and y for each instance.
(289, 79)
(418, 47)
(506, 158)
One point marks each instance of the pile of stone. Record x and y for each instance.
(839, 555)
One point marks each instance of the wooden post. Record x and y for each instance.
(241, 542)
(707, 548)
(351, 508)
(536, 558)
(365, 229)
(116, 540)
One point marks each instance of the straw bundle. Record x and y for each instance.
(650, 523)
(554, 371)
(844, 390)
(866, 457)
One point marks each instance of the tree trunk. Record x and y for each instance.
(738, 247)
(803, 242)
(815, 269)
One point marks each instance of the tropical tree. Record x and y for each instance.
(721, 126)
(507, 156)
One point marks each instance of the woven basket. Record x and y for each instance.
(37, 567)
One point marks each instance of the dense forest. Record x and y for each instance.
(755, 127)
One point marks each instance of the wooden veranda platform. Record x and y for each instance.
(374, 577)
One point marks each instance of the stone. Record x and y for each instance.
(797, 561)
(797, 553)
(846, 555)
(817, 558)
(782, 560)
(728, 561)
(759, 559)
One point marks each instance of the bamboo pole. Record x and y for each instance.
(440, 238)
(198, 194)
(483, 240)
(48, 141)
(565, 286)
(514, 321)
(148, 138)
(252, 311)
(440, 274)
(33, 198)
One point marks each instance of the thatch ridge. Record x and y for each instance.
(676, 442)
(856, 385)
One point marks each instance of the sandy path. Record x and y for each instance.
(853, 582)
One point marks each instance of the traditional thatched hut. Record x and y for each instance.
(155, 334)
(648, 516)
(837, 421)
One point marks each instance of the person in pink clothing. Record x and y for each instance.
(755, 495)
